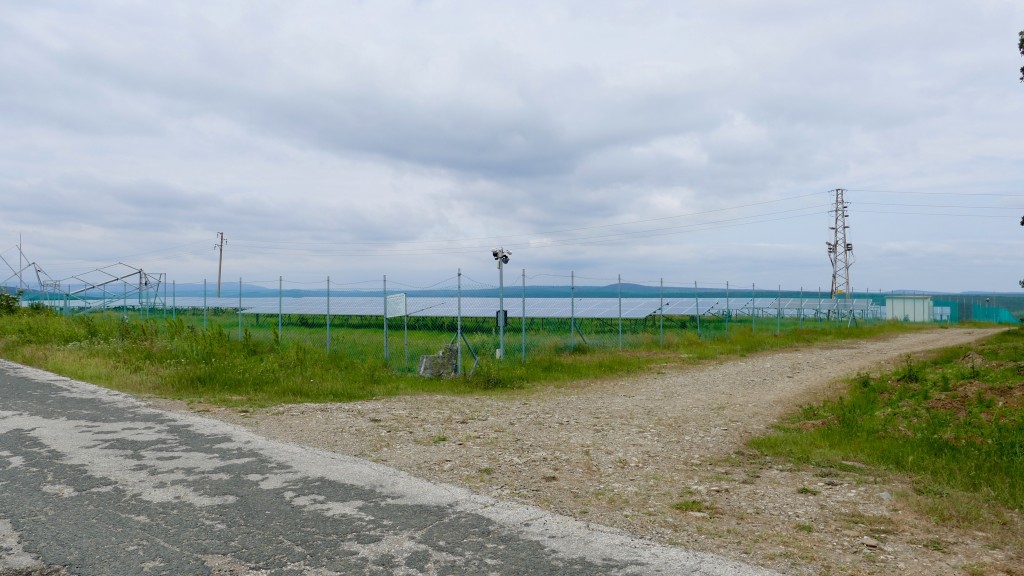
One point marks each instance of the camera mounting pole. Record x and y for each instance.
(501, 256)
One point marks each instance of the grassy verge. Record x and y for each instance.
(174, 359)
(954, 423)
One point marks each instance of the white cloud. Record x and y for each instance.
(357, 139)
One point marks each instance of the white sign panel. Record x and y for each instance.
(397, 306)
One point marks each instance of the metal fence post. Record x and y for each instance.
(778, 312)
(696, 300)
(174, 300)
(280, 307)
(800, 314)
(458, 326)
(523, 318)
(620, 311)
(204, 304)
(239, 309)
(501, 310)
(328, 314)
(753, 306)
(819, 306)
(661, 312)
(572, 310)
(728, 309)
(387, 357)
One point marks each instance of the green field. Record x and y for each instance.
(220, 356)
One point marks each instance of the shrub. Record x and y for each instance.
(8, 303)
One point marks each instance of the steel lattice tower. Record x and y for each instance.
(839, 249)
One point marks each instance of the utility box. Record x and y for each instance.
(906, 308)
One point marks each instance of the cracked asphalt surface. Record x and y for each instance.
(94, 482)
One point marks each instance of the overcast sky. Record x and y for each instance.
(685, 141)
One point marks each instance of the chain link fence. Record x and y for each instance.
(459, 322)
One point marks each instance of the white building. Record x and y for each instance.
(909, 308)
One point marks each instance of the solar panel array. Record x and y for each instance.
(475, 307)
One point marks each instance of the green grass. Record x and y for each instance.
(689, 505)
(955, 422)
(176, 357)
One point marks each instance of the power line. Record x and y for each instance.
(924, 193)
(895, 213)
(959, 206)
(557, 237)
(558, 231)
(158, 250)
(596, 234)
(555, 242)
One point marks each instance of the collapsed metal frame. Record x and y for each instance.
(90, 290)
(144, 290)
(19, 272)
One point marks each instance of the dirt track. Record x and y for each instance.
(622, 452)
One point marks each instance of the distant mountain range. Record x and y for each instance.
(626, 290)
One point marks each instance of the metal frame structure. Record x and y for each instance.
(109, 286)
(141, 287)
(24, 264)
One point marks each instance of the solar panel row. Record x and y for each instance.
(450, 306)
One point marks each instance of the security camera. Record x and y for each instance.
(495, 253)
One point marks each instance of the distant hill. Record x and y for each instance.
(1012, 301)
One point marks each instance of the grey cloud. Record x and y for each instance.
(474, 121)
(542, 125)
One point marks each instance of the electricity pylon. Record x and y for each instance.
(840, 250)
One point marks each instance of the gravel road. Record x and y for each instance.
(663, 456)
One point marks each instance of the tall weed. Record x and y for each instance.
(957, 420)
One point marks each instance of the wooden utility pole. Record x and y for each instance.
(220, 262)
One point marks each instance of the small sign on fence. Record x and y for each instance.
(397, 306)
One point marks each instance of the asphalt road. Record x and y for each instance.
(94, 482)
